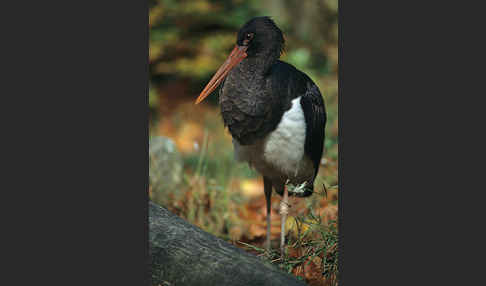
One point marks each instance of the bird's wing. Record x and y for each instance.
(315, 119)
(297, 83)
(249, 110)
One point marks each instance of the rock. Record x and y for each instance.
(182, 254)
(165, 168)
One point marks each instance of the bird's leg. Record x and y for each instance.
(267, 186)
(284, 211)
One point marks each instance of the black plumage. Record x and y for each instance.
(257, 93)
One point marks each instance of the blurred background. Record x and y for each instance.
(192, 170)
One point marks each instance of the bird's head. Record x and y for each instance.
(261, 37)
(258, 38)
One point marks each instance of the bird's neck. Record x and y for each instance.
(258, 65)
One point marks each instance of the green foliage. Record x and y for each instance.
(153, 98)
(189, 39)
(318, 242)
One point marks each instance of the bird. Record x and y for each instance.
(274, 112)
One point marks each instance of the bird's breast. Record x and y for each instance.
(249, 113)
(281, 152)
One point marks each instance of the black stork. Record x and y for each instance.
(274, 112)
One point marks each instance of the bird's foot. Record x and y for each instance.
(284, 208)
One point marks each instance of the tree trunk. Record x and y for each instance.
(183, 254)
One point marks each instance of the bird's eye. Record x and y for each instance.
(248, 38)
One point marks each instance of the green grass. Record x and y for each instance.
(207, 197)
(317, 244)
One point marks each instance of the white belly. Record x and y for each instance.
(281, 153)
(284, 147)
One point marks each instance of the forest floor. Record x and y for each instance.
(226, 198)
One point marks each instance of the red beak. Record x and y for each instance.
(236, 56)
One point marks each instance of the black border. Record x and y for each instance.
(69, 150)
(340, 142)
(77, 170)
(399, 114)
